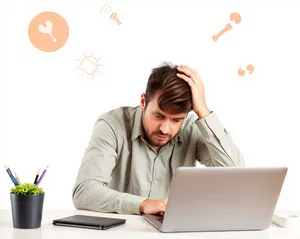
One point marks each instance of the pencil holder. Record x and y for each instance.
(27, 206)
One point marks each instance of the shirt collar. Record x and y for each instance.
(137, 129)
(178, 137)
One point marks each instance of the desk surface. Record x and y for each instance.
(135, 227)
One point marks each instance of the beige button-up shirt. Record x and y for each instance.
(120, 169)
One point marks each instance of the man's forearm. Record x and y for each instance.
(95, 196)
(203, 113)
(221, 147)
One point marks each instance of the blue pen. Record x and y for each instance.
(11, 176)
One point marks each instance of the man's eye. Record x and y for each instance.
(159, 116)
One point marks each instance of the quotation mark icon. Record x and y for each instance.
(249, 68)
(236, 18)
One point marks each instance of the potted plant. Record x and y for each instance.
(27, 205)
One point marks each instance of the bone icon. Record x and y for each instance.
(236, 18)
(47, 29)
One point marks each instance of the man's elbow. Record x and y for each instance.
(78, 199)
(81, 197)
(84, 200)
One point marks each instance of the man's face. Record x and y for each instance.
(159, 128)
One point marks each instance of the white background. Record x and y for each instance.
(48, 109)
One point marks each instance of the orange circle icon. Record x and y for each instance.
(48, 31)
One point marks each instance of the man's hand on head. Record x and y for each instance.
(149, 206)
(197, 88)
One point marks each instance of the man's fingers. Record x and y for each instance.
(191, 73)
(189, 68)
(185, 71)
(186, 78)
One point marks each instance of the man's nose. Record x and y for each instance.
(165, 127)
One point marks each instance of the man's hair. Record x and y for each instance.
(175, 95)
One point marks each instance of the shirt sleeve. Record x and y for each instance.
(90, 191)
(216, 147)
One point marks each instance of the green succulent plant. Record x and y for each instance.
(27, 189)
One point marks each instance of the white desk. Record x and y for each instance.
(135, 227)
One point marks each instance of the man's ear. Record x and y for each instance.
(143, 101)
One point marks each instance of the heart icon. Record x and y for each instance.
(46, 29)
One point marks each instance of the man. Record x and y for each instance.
(134, 151)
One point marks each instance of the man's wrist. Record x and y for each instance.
(203, 113)
(142, 206)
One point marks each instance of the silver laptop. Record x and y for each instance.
(221, 199)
